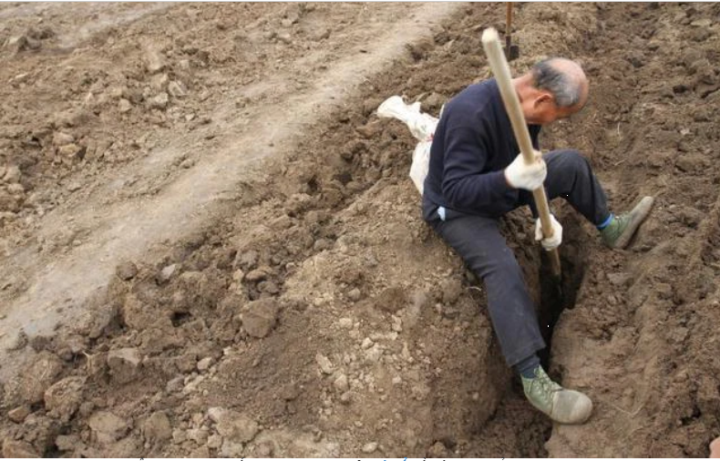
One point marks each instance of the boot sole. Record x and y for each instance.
(637, 216)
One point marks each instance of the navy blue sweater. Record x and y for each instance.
(473, 144)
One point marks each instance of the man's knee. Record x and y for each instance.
(567, 162)
(507, 270)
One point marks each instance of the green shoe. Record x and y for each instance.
(618, 233)
(561, 405)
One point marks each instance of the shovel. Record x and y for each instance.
(499, 66)
(512, 52)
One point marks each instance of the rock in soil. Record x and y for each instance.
(233, 426)
(124, 364)
(126, 270)
(157, 427)
(107, 427)
(40, 376)
(18, 415)
(63, 398)
(259, 317)
(18, 449)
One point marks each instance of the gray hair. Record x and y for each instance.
(566, 90)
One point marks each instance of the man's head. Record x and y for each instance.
(553, 89)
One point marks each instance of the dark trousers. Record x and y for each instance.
(478, 241)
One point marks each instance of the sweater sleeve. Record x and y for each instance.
(465, 186)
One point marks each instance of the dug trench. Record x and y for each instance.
(321, 317)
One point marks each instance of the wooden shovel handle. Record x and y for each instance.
(499, 66)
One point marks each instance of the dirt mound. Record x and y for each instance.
(320, 316)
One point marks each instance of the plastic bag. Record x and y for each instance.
(421, 125)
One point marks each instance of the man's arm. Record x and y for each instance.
(465, 186)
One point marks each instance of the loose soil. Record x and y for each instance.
(210, 245)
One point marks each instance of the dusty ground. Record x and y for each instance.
(210, 246)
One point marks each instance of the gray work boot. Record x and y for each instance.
(561, 405)
(618, 233)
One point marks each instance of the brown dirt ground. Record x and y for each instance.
(312, 312)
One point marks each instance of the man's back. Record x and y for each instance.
(473, 143)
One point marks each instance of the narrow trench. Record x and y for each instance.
(558, 295)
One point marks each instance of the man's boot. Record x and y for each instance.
(561, 405)
(618, 233)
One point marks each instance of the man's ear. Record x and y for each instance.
(544, 98)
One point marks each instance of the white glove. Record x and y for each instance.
(552, 242)
(522, 176)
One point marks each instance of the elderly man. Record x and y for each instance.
(476, 175)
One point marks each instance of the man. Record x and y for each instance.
(476, 175)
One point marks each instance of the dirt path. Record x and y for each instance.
(56, 287)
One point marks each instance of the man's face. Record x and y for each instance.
(543, 110)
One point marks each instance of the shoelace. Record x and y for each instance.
(547, 387)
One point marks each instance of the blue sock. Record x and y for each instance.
(606, 222)
(526, 367)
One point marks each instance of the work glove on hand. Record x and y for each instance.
(555, 240)
(522, 176)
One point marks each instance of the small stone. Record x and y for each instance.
(619, 279)
(285, 38)
(248, 259)
(204, 364)
(159, 82)
(160, 101)
(16, 189)
(71, 150)
(260, 317)
(451, 291)
(12, 174)
(369, 447)
(124, 364)
(324, 363)
(166, 274)
(367, 343)
(341, 383)
(232, 425)
(18, 415)
(215, 441)
(124, 106)
(178, 436)
(257, 275)
(231, 449)
(322, 244)
(67, 442)
(268, 287)
(18, 449)
(107, 427)
(177, 89)
(354, 295)
(198, 435)
(126, 270)
(157, 427)
(345, 398)
(63, 398)
(39, 376)
(264, 449)
(61, 139)
(175, 385)
(345, 323)
(373, 354)
(154, 61)
(396, 325)
(397, 380)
